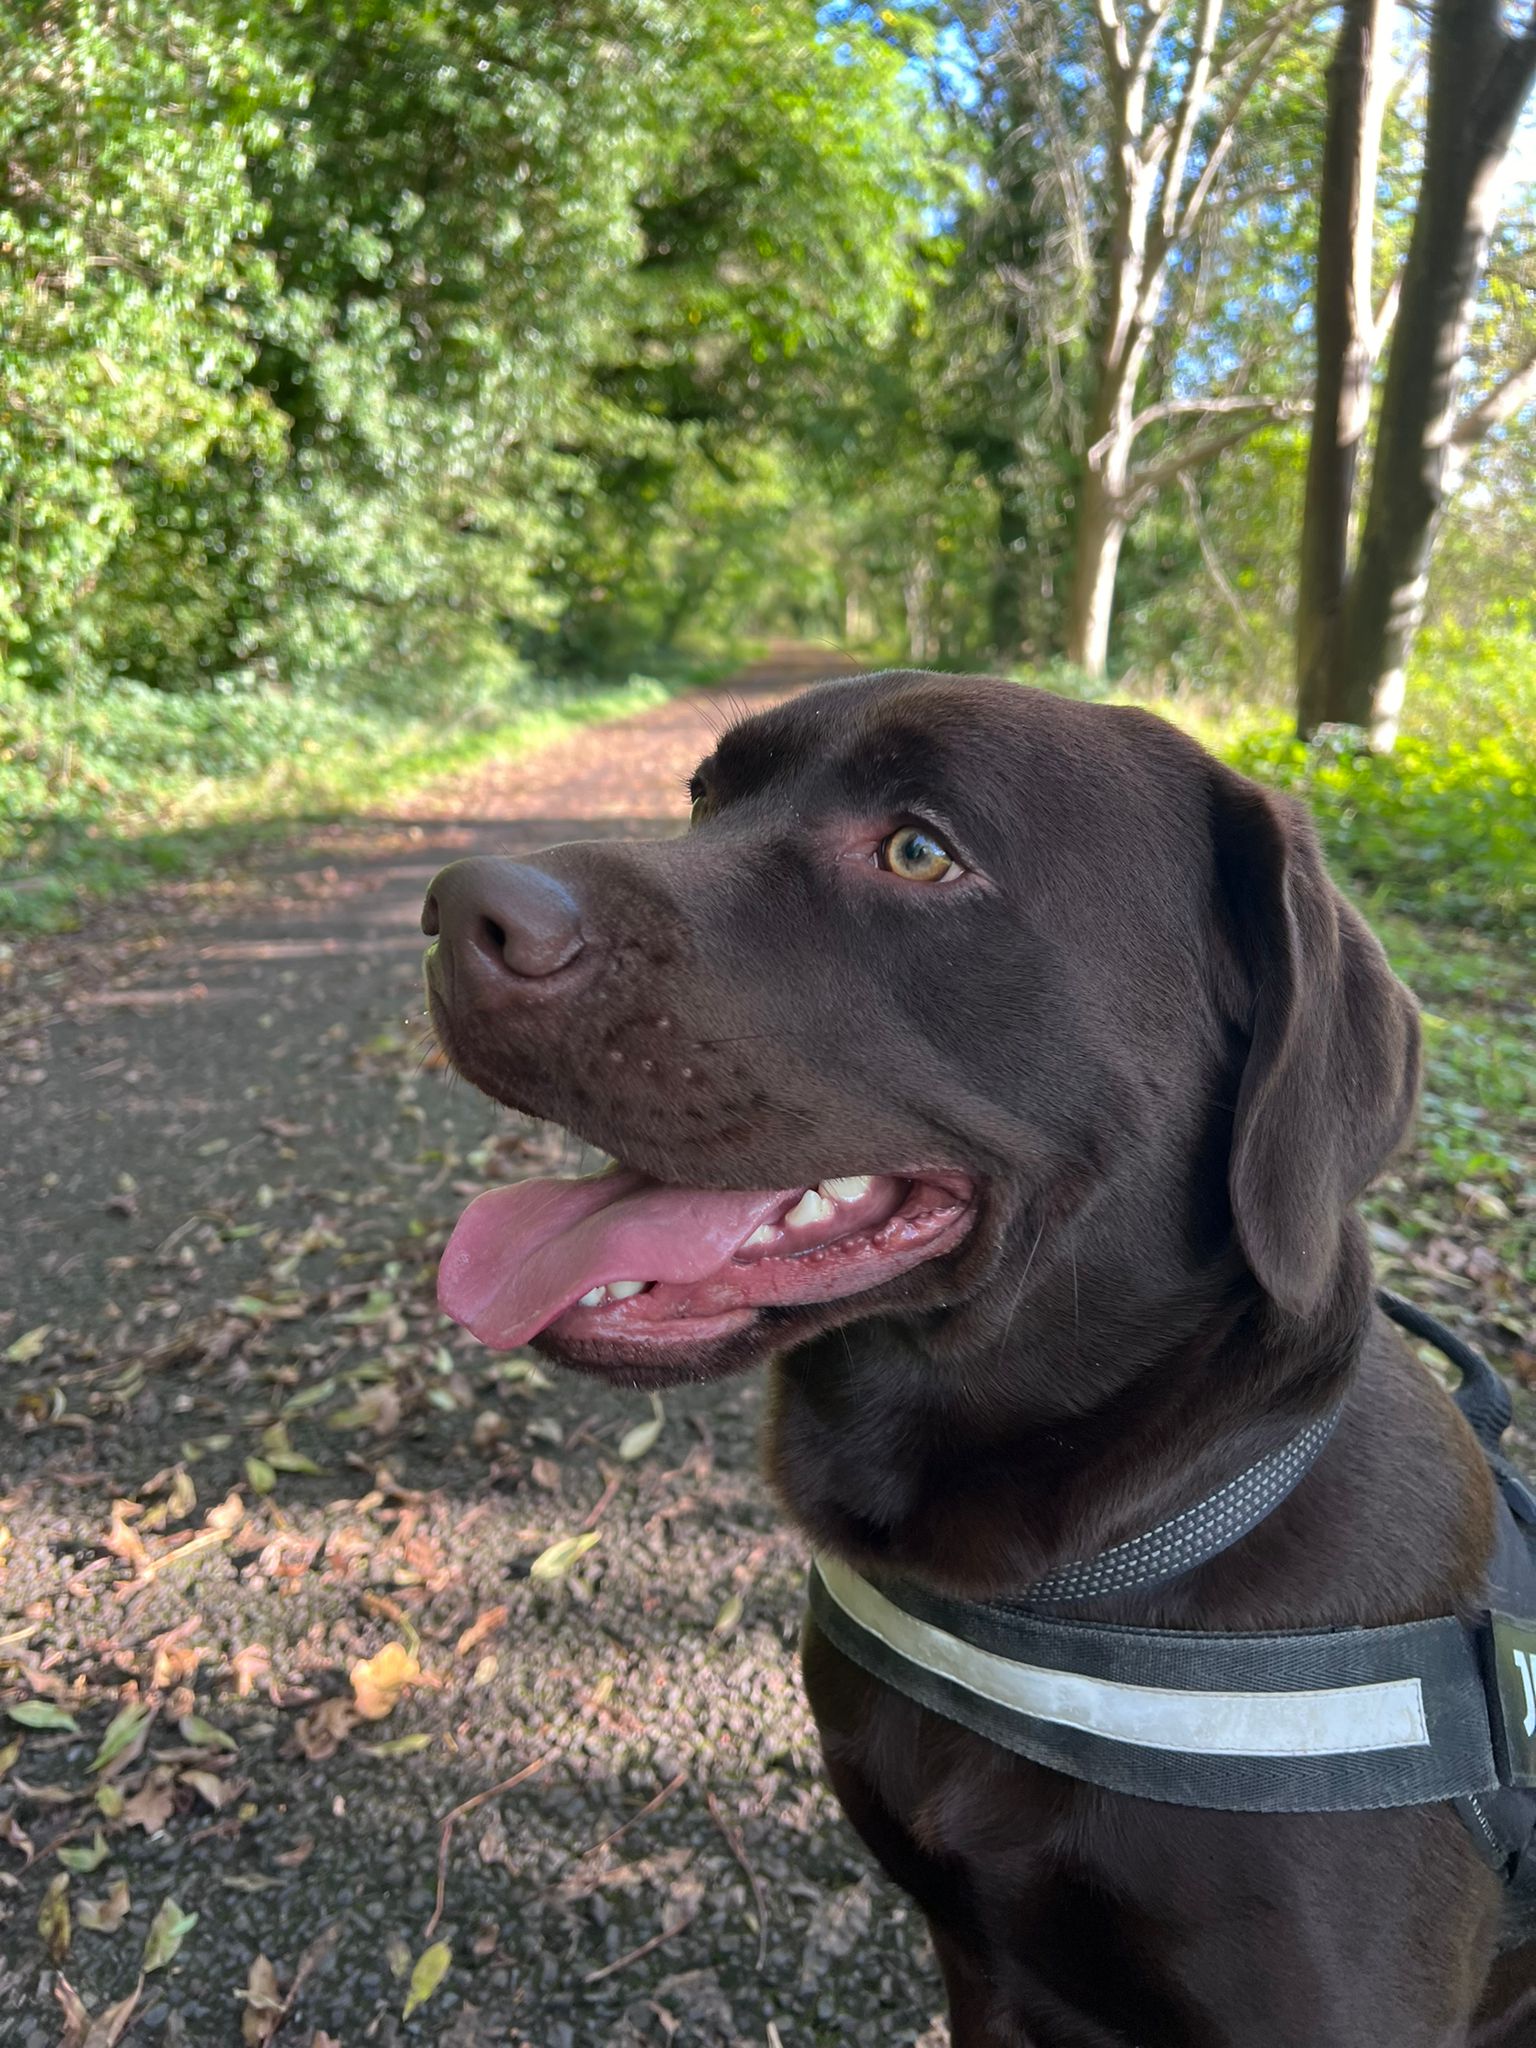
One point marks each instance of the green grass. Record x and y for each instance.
(1437, 843)
(1443, 828)
(104, 793)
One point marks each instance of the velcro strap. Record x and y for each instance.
(1327, 1721)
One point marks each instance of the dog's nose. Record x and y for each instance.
(503, 916)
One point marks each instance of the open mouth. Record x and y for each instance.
(620, 1258)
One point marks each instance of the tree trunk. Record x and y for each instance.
(914, 589)
(1100, 531)
(1346, 344)
(1479, 79)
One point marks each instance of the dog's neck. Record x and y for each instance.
(981, 1460)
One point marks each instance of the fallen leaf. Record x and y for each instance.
(637, 1441)
(202, 1734)
(15, 1836)
(555, 1562)
(109, 1802)
(300, 1853)
(263, 2004)
(9, 1751)
(53, 1918)
(29, 1346)
(122, 1539)
(109, 2025)
(260, 1475)
(248, 1665)
(105, 1916)
(321, 1732)
(729, 1615)
(482, 1626)
(167, 1931)
(403, 1745)
(216, 1791)
(43, 1714)
(377, 1408)
(76, 2019)
(280, 1454)
(154, 1802)
(83, 1861)
(227, 1516)
(124, 1729)
(431, 1968)
(377, 1682)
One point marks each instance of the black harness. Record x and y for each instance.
(1295, 1721)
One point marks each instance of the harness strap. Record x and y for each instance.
(1303, 1721)
(1320, 1721)
(1203, 1531)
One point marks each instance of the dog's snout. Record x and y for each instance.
(504, 917)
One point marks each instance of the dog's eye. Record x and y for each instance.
(917, 856)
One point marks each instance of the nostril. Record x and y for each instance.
(505, 917)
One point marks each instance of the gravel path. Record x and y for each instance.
(247, 1456)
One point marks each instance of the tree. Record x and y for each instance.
(1356, 620)
(1180, 77)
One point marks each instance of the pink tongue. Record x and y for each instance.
(520, 1256)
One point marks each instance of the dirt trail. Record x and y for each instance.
(224, 1182)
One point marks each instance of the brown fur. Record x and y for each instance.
(1172, 1055)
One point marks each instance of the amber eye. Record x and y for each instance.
(917, 856)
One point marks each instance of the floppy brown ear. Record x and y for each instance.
(1332, 1072)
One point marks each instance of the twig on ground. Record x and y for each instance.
(315, 1954)
(615, 1481)
(737, 1847)
(649, 1808)
(645, 1948)
(458, 1813)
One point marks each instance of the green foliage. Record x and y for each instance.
(127, 260)
(1445, 826)
(102, 790)
(336, 338)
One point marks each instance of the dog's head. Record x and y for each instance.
(948, 981)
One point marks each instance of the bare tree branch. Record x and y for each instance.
(1146, 482)
(1175, 408)
(1213, 568)
(1386, 313)
(1117, 48)
(1260, 48)
(1196, 81)
(1146, 49)
(1508, 397)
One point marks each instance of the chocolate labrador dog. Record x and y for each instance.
(1003, 1070)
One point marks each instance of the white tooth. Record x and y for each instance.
(811, 1208)
(764, 1234)
(852, 1187)
(621, 1290)
(593, 1298)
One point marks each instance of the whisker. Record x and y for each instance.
(1018, 1295)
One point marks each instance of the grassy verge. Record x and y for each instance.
(1437, 843)
(101, 795)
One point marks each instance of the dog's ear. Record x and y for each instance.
(1331, 1075)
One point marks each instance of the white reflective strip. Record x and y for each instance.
(1341, 1721)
